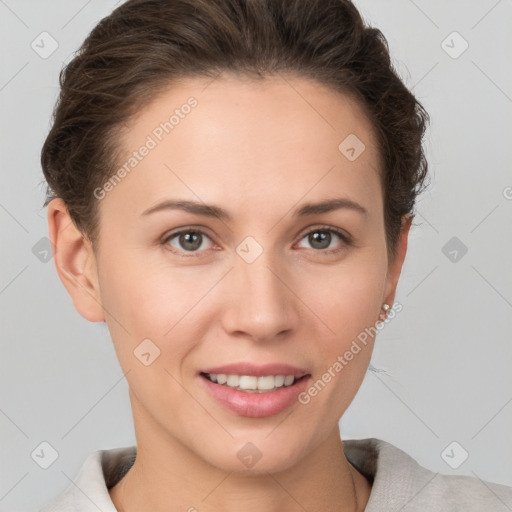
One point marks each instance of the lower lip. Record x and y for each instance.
(255, 405)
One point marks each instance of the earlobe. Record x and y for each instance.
(395, 266)
(75, 262)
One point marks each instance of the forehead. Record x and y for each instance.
(249, 138)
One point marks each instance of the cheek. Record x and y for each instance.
(149, 300)
(139, 304)
(140, 293)
(346, 298)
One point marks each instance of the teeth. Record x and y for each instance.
(246, 382)
(221, 378)
(233, 381)
(288, 380)
(251, 383)
(267, 382)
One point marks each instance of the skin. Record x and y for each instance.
(258, 150)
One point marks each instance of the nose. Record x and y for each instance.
(259, 303)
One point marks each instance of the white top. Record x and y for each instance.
(399, 483)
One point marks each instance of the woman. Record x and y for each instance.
(231, 188)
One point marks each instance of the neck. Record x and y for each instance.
(167, 476)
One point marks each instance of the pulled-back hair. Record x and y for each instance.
(144, 46)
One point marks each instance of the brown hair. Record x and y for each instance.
(144, 46)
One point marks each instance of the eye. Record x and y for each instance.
(193, 240)
(187, 240)
(321, 237)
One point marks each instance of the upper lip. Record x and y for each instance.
(246, 368)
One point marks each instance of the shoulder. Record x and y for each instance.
(89, 490)
(400, 482)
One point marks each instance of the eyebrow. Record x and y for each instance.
(209, 210)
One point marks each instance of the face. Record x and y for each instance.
(257, 284)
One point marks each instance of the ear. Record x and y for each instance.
(395, 266)
(75, 262)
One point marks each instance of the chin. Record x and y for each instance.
(256, 458)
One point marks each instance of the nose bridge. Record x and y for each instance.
(262, 306)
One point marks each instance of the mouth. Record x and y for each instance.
(253, 383)
(254, 391)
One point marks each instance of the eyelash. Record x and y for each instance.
(346, 239)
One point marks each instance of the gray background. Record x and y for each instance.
(445, 358)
